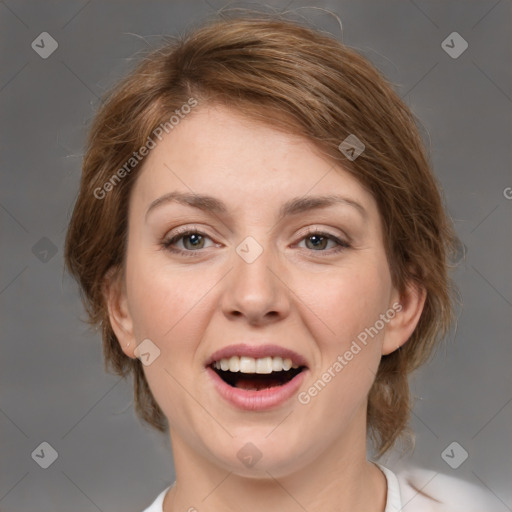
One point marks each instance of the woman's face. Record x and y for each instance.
(262, 271)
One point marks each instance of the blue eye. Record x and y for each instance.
(320, 241)
(193, 241)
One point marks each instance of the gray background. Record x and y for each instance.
(53, 385)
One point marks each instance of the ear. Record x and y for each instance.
(114, 292)
(408, 307)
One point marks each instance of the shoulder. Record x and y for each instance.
(158, 503)
(424, 490)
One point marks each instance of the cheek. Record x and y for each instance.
(349, 301)
(351, 304)
(170, 308)
(167, 306)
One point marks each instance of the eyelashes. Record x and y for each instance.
(192, 234)
(196, 238)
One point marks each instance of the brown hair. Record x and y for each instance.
(307, 83)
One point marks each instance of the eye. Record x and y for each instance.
(191, 241)
(319, 240)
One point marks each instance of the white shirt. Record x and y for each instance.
(418, 490)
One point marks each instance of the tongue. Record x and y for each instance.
(256, 384)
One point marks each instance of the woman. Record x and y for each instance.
(261, 238)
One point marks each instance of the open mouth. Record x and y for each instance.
(256, 374)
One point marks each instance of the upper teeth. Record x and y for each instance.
(250, 365)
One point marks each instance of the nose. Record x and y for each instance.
(255, 290)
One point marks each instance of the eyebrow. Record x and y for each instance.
(293, 206)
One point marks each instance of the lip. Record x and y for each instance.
(261, 400)
(256, 351)
(264, 399)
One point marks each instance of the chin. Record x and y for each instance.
(252, 454)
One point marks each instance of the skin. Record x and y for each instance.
(296, 294)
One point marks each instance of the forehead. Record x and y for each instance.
(217, 151)
(225, 137)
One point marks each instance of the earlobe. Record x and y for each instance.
(118, 312)
(408, 307)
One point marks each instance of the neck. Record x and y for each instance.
(340, 479)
